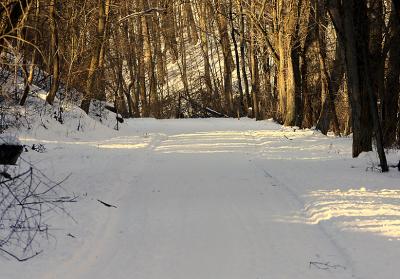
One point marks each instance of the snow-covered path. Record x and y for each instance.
(220, 199)
(199, 222)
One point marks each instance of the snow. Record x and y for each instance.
(213, 198)
(9, 139)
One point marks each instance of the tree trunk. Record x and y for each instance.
(328, 110)
(31, 74)
(149, 62)
(241, 107)
(360, 112)
(169, 30)
(255, 75)
(396, 5)
(291, 106)
(228, 59)
(54, 51)
(205, 49)
(281, 78)
(392, 87)
(141, 72)
(243, 54)
(95, 60)
(191, 24)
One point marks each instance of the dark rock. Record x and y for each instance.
(9, 154)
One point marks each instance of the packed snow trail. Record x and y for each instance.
(216, 199)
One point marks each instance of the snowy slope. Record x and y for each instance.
(214, 198)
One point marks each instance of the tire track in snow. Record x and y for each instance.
(96, 250)
(278, 185)
(238, 227)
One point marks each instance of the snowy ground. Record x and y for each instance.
(215, 199)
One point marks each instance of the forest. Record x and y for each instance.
(200, 139)
(329, 64)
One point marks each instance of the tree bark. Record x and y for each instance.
(205, 49)
(96, 57)
(255, 75)
(54, 52)
(392, 86)
(328, 111)
(228, 59)
(241, 108)
(353, 34)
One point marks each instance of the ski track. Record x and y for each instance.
(202, 205)
(206, 230)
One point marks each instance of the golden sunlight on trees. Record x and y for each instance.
(331, 64)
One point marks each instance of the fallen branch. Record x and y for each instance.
(25, 200)
(287, 137)
(326, 266)
(18, 258)
(106, 204)
(198, 106)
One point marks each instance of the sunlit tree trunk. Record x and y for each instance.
(241, 107)
(243, 54)
(147, 32)
(328, 111)
(54, 53)
(227, 53)
(96, 57)
(31, 71)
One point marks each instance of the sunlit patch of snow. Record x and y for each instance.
(358, 210)
(115, 143)
(389, 228)
(42, 95)
(271, 144)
